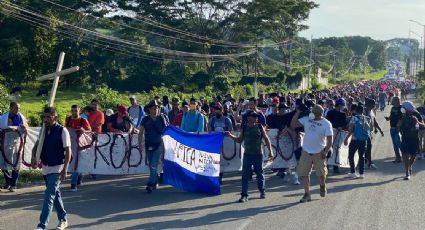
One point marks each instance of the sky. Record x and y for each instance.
(378, 19)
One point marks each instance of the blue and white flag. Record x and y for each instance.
(192, 161)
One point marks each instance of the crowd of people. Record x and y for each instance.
(316, 115)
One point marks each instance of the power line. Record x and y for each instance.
(151, 22)
(91, 41)
(130, 43)
(143, 30)
(283, 64)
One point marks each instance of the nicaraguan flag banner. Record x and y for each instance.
(192, 161)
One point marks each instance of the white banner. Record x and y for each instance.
(119, 154)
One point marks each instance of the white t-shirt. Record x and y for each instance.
(66, 140)
(134, 112)
(315, 133)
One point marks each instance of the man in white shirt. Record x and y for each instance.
(135, 111)
(12, 118)
(55, 157)
(316, 145)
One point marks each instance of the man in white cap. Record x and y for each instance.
(315, 148)
(135, 111)
(408, 126)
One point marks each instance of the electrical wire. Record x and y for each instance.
(151, 22)
(130, 43)
(91, 41)
(283, 64)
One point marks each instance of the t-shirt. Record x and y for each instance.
(220, 124)
(315, 134)
(77, 123)
(275, 121)
(96, 117)
(134, 112)
(153, 130)
(193, 122)
(66, 140)
(382, 97)
(408, 129)
(395, 116)
(261, 118)
(338, 119)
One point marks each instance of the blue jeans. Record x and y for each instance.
(360, 146)
(248, 162)
(52, 197)
(395, 137)
(76, 178)
(10, 178)
(153, 157)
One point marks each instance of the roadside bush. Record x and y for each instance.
(108, 98)
(4, 99)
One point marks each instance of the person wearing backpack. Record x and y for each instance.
(79, 125)
(408, 126)
(135, 111)
(359, 129)
(193, 121)
(152, 128)
(252, 135)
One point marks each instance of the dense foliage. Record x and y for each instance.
(204, 27)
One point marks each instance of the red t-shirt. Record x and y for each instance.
(177, 121)
(96, 117)
(77, 123)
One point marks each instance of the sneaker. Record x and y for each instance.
(149, 189)
(62, 225)
(263, 195)
(397, 160)
(352, 175)
(73, 187)
(243, 199)
(407, 177)
(295, 180)
(361, 176)
(12, 189)
(306, 198)
(323, 190)
(372, 166)
(280, 174)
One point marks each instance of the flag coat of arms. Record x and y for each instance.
(192, 161)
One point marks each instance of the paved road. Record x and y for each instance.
(381, 201)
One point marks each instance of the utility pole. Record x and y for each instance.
(256, 72)
(334, 69)
(423, 25)
(311, 60)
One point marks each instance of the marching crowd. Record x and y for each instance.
(315, 116)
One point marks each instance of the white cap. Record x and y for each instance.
(133, 97)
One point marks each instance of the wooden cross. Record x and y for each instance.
(56, 77)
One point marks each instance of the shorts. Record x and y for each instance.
(410, 146)
(315, 161)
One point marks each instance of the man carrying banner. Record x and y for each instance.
(12, 118)
(79, 125)
(316, 145)
(252, 135)
(152, 127)
(55, 157)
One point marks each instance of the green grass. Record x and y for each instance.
(32, 106)
(356, 77)
(26, 177)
